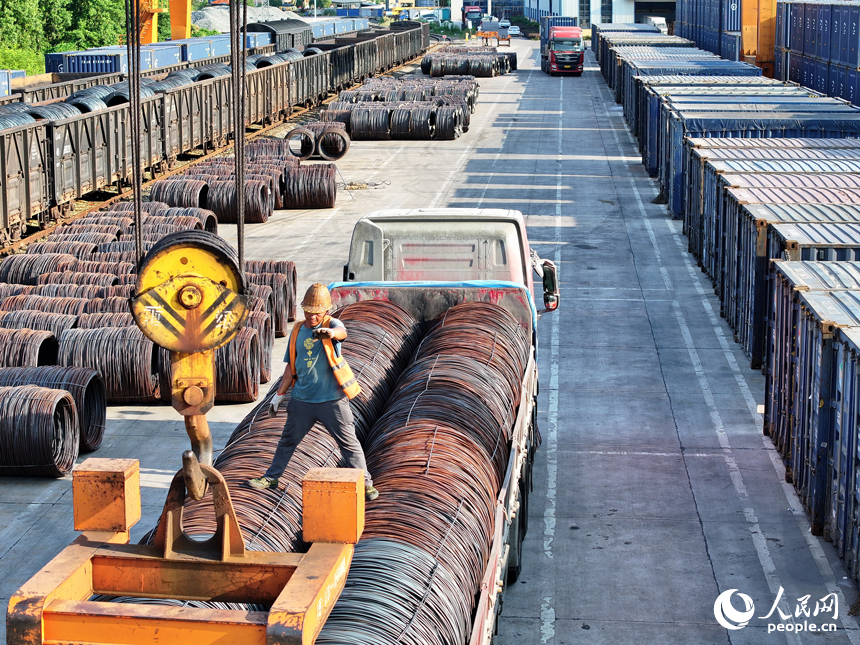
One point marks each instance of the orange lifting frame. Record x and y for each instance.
(53, 606)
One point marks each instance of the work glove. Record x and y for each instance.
(274, 404)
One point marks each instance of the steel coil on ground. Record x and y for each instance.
(124, 357)
(27, 348)
(208, 219)
(115, 268)
(85, 291)
(39, 433)
(182, 192)
(332, 143)
(74, 277)
(237, 368)
(80, 250)
(441, 446)
(265, 293)
(262, 324)
(370, 123)
(332, 115)
(81, 226)
(153, 207)
(222, 201)
(106, 319)
(311, 186)
(39, 320)
(55, 305)
(26, 268)
(282, 298)
(84, 384)
(301, 143)
(111, 304)
(120, 290)
(108, 218)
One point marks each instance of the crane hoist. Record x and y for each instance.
(190, 298)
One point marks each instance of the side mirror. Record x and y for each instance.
(550, 285)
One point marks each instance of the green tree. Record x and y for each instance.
(56, 19)
(164, 25)
(21, 24)
(97, 23)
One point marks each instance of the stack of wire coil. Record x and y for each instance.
(327, 140)
(440, 447)
(472, 61)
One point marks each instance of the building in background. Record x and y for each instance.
(600, 11)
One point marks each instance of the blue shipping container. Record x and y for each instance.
(56, 63)
(853, 22)
(5, 83)
(163, 55)
(781, 11)
(852, 85)
(220, 47)
(822, 76)
(835, 32)
(17, 73)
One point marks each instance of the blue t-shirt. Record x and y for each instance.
(315, 381)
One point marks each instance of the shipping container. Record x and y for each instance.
(190, 50)
(162, 55)
(5, 82)
(57, 63)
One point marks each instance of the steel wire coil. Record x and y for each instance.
(107, 218)
(237, 368)
(164, 225)
(282, 298)
(301, 143)
(87, 104)
(153, 207)
(7, 290)
(208, 219)
(15, 119)
(286, 268)
(39, 434)
(78, 249)
(85, 291)
(265, 293)
(256, 304)
(124, 247)
(311, 186)
(125, 358)
(116, 230)
(73, 277)
(195, 174)
(222, 201)
(332, 115)
(122, 94)
(118, 256)
(55, 305)
(189, 74)
(26, 268)
(115, 304)
(84, 384)
(312, 51)
(53, 111)
(120, 290)
(115, 268)
(183, 193)
(99, 91)
(27, 348)
(130, 278)
(168, 84)
(16, 107)
(396, 593)
(272, 182)
(37, 320)
(262, 324)
(106, 319)
(449, 122)
(370, 124)
(439, 453)
(333, 144)
(210, 71)
(266, 147)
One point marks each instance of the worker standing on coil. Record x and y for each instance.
(322, 385)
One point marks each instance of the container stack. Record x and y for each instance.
(765, 175)
(714, 25)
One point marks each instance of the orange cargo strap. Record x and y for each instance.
(342, 372)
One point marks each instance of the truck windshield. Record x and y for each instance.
(566, 44)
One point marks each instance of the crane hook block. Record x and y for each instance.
(190, 293)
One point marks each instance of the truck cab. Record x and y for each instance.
(565, 51)
(448, 245)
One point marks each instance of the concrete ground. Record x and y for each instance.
(655, 491)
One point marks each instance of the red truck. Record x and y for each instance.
(564, 51)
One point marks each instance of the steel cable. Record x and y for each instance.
(84, 384)
(39, 433)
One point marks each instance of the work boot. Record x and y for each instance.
(370, 493)
(263, 483)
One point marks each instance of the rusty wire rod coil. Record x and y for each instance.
(84, 384)
(312, 186)
(332, 144)
(55, 305)
(38, 320)
(7, 290)
(222, 201)
(26, 268)
(120, 290)
(281, 298)
(301, 143)
(115, 268)
(263, 292)
(27, 348)
(90, 238)
(110, 304)
(86, 291)
(39, 433)
(74, 277)
(125, 358)
(208, 219)
(237, 368)
(154, 208)
(78, 226)
(105, 218)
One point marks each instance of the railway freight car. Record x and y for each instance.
(46, 164)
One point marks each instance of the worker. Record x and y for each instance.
(322, 386)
